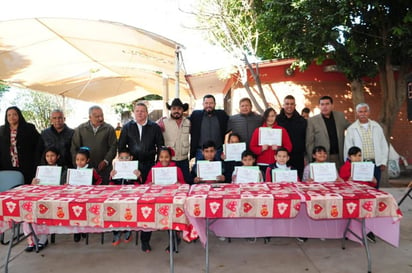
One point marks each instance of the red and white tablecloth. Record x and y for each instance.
(98, 207)
(347, 200)
(251, 200)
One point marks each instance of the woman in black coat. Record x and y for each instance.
(18, 144)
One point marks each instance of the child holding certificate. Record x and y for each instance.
(208, 152)
(229, 166)
(319, 155)
(281, 159)
(249, 160)
(82, 162)
(345, 172)
(164, 157)
(51, 156)
(125, 155)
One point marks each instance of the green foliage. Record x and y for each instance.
(36, 107)
(3, 88)
(123, 107)
(358, 35)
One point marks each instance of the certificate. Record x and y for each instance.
(362, 171)
(284, 175)
(323, 172)
(49, 175)
(233, 151)
(125, 169)
(270, 136)
(247, 174)
(79, 176)
(209, 170)
(164, 175)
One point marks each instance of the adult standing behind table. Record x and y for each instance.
(58, 135)
(327, 129)
(100, 138)
(244, 123)
(265, 153)
(18, 144)
(176, 134)
(208, 124)
(296, 125)
(143, 138)
(368, 135)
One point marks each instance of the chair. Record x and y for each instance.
(407, 194)
(10, 180)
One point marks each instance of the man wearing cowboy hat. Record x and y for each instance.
(176, 133)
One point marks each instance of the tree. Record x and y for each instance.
(36, 107)
(3, 88)
(232, 25)
(365, 38)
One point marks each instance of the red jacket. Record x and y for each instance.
(345, 173)
(268, 156)
(180, 177)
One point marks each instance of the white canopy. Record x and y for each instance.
(88, 60)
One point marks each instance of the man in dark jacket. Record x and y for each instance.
(143, 138)
(207, 124)
(58, 135)
(296, 125)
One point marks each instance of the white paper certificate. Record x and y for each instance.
(362, 171)
(49, 175)
(80, 176)
(164, 175)
(281, 175)
(323, 172)
(246, 174)
(209, 170)
(125, 169)
(233, 151)
(270, 136)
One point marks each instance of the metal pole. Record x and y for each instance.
(207, 245)
(165, 93)
(177, 71)
(171, 249)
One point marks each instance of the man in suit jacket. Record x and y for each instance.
(327, 129)
(207, 124)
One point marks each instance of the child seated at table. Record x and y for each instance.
(82, 162)
(123, 155)
(164, 157)
(319, 155)
(51, 156)
(345, 172)
(208, 152)
(281, 159)
(248, 159)
(229, 166)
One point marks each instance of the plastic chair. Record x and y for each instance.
(10, 180)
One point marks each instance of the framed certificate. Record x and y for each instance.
(233, 151)
(247, 174)
(49, 175)
(209, 170)
(270, 136)
(284, 175)
(125, 169)
(323, 172)
(362, 171)
(80, 176)
(164, 175)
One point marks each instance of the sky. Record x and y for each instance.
(164, 17)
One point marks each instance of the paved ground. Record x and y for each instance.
(280, 255)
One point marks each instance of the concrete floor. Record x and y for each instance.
(279, 255)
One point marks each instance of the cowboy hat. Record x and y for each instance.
(177, 102)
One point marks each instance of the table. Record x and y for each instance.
(312, 210)
(74, 209)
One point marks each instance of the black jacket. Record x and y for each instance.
(296, 127)
(195, 127)
(143, 150)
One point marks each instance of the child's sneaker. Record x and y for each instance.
(127, 237)
(116, 239)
